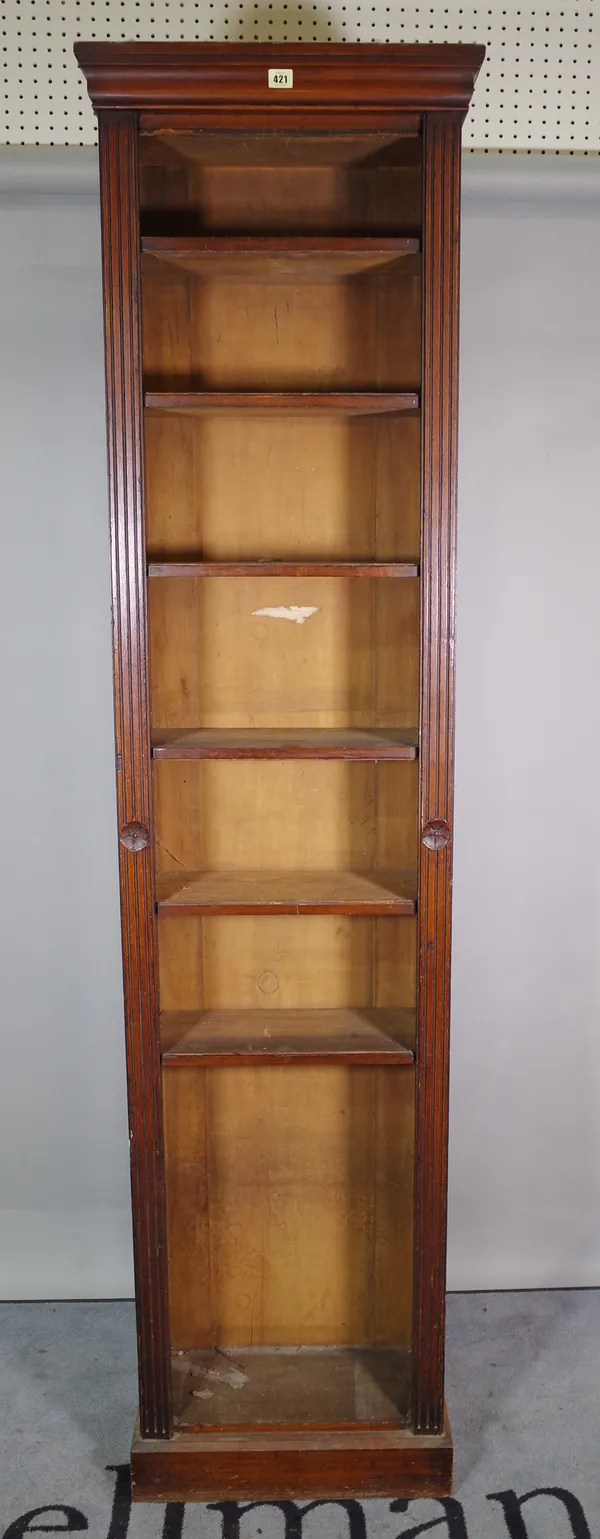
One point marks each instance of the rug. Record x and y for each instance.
(523, 1388)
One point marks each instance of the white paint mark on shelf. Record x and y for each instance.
(232, 1376)
(299, 613)
(202, 1394)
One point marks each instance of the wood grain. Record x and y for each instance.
(441, 199)
(186, 568)
(294, 1386)
(254, 486)
(349, 404)
(118, 172)
(255, 150)
(301, 490)
(280, 1466)
(298, 339)
(277, 743)
(285, 892)
(219, 661)
(283, 184)
(237, 1037)
(288, 962)
(288, 815)
(403, 76)
(289, 1205)
(282, 259)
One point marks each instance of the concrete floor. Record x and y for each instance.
(523, 1392)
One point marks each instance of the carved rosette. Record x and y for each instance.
(436, 834)
(134, 836)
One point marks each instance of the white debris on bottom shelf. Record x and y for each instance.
(231, 1375)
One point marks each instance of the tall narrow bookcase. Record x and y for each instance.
(280, 239)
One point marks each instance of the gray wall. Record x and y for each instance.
(525, 1140)
(64, 1187)
(525, 1166)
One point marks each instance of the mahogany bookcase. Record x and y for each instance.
(280, 240)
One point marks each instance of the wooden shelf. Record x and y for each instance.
(278, 258)
(251, 149)
(282, 743)
(191, 568)
(291, 1386)
(286, 892)
(237, 1037)
(193, 403)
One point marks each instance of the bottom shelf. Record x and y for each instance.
(263, 1466)
(300, 1387)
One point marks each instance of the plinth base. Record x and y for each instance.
(271, 1465)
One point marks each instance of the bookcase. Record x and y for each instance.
(280, 245)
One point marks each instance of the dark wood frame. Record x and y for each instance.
(124, 413)
(439, 420)
(151, 85)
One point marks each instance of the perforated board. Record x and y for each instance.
(539, 89)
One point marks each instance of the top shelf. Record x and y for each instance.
(278, 258)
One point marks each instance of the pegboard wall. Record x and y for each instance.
(539, 88)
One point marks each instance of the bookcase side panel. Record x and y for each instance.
(120, 243)
(441, 210)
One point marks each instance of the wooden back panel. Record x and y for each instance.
(361, 333)
(341, 488)
(217, 660)
(223, 183)
(289, 1206)
(281, 961)
(285, 815)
